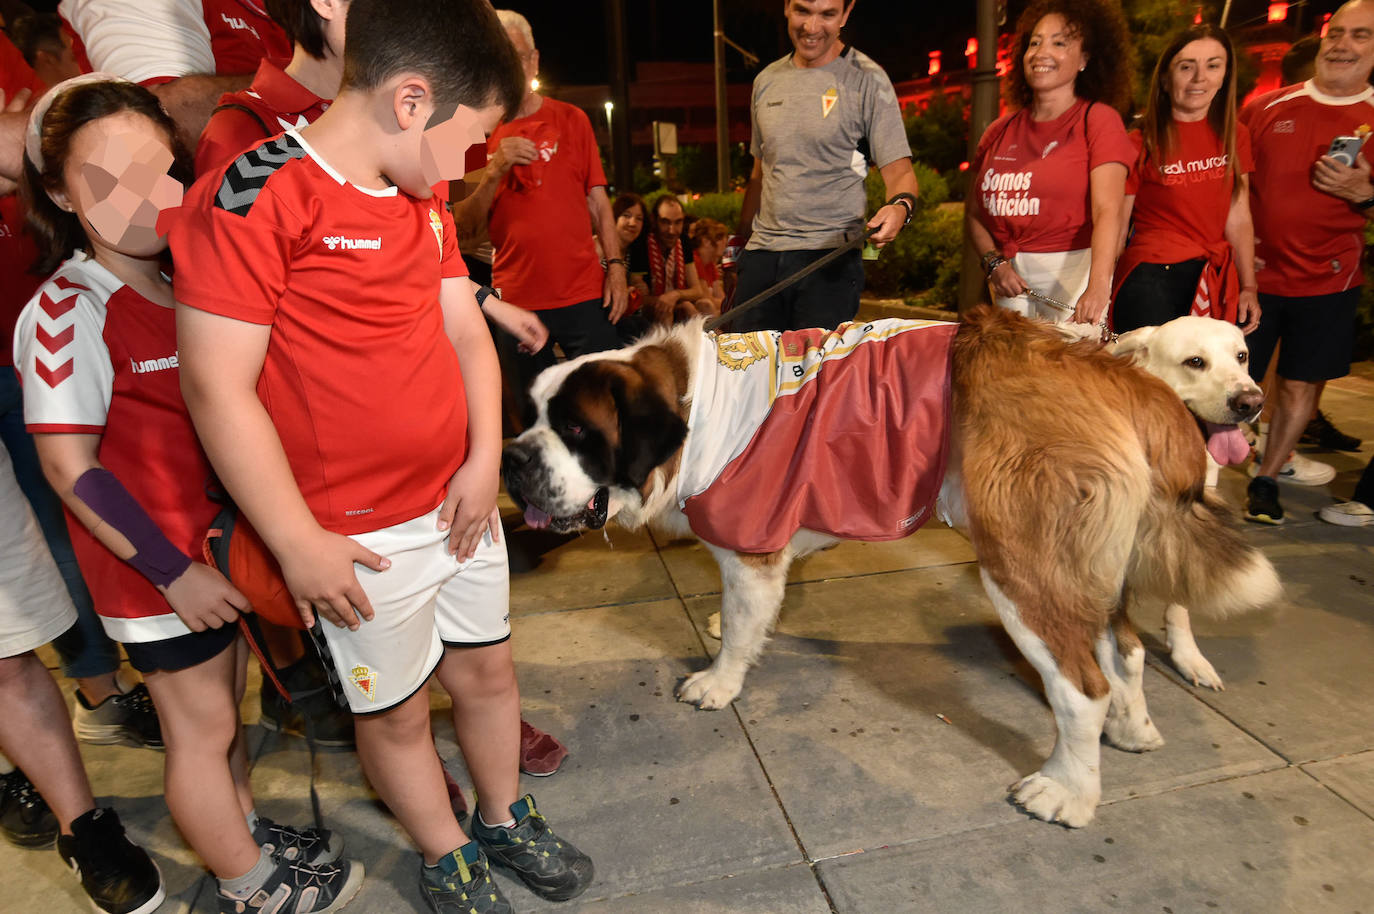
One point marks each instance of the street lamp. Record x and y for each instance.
(610, 106)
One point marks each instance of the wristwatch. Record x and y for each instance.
(1364, 204)
(991, 261)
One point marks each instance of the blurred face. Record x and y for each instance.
(450, 132)
(1346, 56)
(629, 224)
(1055, 55)
(709, 250)
(116, 181)
(670, 221)
(1195, 76)
(814, 27)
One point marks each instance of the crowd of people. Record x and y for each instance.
(215, 221)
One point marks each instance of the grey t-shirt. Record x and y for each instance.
(808, 126)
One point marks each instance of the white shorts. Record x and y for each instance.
(1062, 275)
(34, 604)
(425, 600)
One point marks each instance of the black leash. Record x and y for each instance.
(726, 316)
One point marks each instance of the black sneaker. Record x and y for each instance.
(550, 866)
(128, 718)
(1262, 501)
(117, 874)
(461, 883)
(1323, 434)
(330, 725)
(25, 818)
(299, 888)
(297, 845)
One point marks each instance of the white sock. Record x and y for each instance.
(509, 823)
(252, 818)
(244, 886)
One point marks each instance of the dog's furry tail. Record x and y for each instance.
(1189, 551)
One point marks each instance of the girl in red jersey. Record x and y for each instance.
(1044, 209)
(97, 353)
(1193, 248)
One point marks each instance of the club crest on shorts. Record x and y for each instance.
(828, 99)
(365, 680)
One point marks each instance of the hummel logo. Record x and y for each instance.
(352, 244)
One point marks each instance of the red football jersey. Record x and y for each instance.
(17, 250)
(539, 223)
(1306, 242)
(360, 378)
(278, 100)
(98, 358)
(1030, 178)
(242, 35)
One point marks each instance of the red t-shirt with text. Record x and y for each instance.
(1306, 242)
(1030, 181)
(360, 378)
(539, 222)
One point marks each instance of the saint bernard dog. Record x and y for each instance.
(1078, 477)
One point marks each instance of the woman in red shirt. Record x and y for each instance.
(1044, 209)
(1193, 246)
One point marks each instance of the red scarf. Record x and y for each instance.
(658, 278)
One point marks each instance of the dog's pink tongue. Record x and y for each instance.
(1227, 444)
(536, 518)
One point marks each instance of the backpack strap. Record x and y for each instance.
(235, 106)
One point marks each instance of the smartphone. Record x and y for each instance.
(1344, 149)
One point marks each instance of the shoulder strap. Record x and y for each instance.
(235, 106)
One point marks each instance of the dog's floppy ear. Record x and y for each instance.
(1135, 344)
(651, 431)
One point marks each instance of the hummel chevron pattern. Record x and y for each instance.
(58, 311)
(248, 174)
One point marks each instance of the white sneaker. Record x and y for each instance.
(1348, 514)
(1299, 470)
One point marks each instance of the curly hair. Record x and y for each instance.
(1157, 125)
(57, 232)
(1106, 76)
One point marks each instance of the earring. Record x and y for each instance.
(1082, 68)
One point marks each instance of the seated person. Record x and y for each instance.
(708, 241)
(676, 292)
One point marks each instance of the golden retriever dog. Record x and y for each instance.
(1078, 477)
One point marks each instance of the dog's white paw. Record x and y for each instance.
(709, 690)
(713, 625)
(1131, 733)
(1052, 801)
(1195, 668)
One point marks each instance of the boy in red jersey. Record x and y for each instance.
(344, 385)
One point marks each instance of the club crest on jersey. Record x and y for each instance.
(365, 680)
(828, 99)
(437, 224)
(737, 351)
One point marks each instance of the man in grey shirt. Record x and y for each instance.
(820, 115)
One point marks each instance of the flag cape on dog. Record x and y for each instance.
(845, 432)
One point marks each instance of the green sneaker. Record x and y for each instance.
(550, 866)
(461, 883)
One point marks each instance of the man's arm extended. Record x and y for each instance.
(615, 293)
(898, 178)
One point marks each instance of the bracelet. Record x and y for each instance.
(991, 261)
(907, 200)
(619, 260)
(483, 293)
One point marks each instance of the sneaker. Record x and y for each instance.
(1262, 501)
(1348, 514)
(332, 726)
(550, 866)
(297, 845)
(1323, 434)
(299, 888)
(128, 718)
(117, 874)
(25, 818)
(540, 754)
(1300, 470)
(461, 883)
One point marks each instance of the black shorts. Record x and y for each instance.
(1317, 333)
(181, 652)
(1156, 293)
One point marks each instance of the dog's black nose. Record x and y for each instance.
(515, 458)
(1247, 402)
